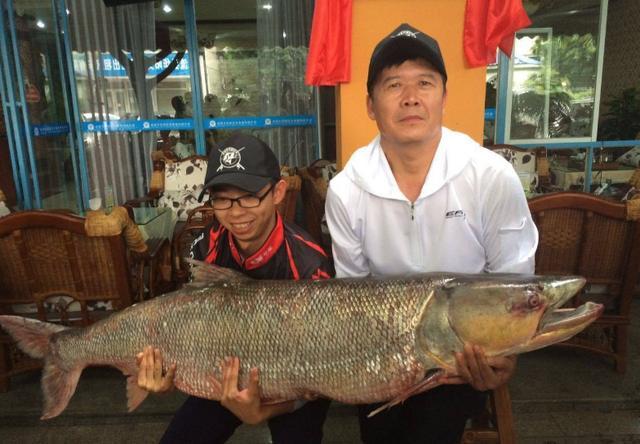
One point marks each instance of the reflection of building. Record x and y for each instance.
(101, 64)
(120, 97)
(561, 76)
(119, 75)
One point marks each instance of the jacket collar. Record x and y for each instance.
(369, 168)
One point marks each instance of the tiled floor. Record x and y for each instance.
(560, 396)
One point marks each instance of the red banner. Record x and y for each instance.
(489, 25)
(329, 61)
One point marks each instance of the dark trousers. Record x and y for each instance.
(437, 416)
(206, 421)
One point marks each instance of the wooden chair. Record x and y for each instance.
(288, 207)
(586, 235)
(175, 185)
(198, 219)
(53, 271)
(531, 163)
(495, 423)
(314, 194)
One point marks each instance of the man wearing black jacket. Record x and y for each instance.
(248, 235)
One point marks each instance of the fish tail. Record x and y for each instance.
(34, 337)
(58, 385)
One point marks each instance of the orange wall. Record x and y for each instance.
(443, 20)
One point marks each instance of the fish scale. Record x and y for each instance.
(296, 338)
(352, 340)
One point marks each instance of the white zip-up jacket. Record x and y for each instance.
(471, 216)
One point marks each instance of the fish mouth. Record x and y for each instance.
(562, 319)
(560, 323)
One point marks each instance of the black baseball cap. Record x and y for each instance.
(241, 161)
(404, 43)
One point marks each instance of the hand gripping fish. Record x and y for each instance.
(353, 340)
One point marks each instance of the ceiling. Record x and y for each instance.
(210, 10)
(207, 10)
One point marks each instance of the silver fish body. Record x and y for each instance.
(352, 340)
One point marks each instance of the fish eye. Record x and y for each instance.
(534, 300)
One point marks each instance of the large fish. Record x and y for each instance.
(352, 340)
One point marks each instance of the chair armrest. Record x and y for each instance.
(152, 258)
(150, 198)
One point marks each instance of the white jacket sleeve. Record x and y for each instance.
(348, 257)
(510, 236)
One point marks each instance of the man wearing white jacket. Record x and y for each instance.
(422, 198)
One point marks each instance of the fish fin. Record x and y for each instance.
(135, 394)
(33, 338)
(58, 385)
(433, 379)
(204, 273)
(275, 401)
(31, 335)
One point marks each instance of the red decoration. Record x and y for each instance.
(329, 61)
(489, 25)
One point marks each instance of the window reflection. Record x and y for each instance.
(553, 77)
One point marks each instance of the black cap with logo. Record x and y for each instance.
(404, 43)
(241, 161)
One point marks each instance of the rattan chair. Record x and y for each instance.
(50, 269)
(586, 235)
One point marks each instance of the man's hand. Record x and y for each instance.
(246, 403)
(482, 373)
(150, 377)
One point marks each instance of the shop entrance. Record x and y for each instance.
(38, 159)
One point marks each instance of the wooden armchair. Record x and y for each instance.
(495, 423)
(314, 194)
(589, 236)
(198, 219)
(288, 207)
(52, 270)
(175, 185)
(531, 164)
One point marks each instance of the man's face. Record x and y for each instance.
(407, 104)
(250, 226)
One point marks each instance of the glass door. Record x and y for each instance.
(36, 102)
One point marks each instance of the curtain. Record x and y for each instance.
(118, 160)
(283, 32)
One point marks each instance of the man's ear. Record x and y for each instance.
(370, 112)
(279, 191)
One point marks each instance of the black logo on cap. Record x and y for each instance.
(230, 157)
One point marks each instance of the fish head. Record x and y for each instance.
(504, 314)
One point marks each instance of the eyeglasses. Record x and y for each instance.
(246, 201)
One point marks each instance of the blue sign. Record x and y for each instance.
(490, 114)
(259, 122)
(50, 129)
(115, 126)
(111, 67)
